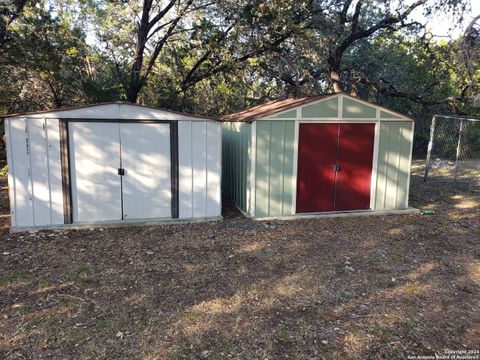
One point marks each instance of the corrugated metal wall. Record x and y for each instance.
(274, 167)
(33, 149)
(199, 161)
(236, 164)
(393, 167)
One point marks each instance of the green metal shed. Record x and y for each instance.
(316, 155)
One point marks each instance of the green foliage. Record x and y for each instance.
(48, 64)
(11, 276)
(414, 76)
(224, 56)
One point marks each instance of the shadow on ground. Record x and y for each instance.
(368, 287)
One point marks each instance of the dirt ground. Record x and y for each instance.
(347, 288)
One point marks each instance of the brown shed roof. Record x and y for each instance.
(271, 107)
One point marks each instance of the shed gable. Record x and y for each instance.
(388, 115)
(338, 106)
(356, 109)
(322, 109)
(291, 114)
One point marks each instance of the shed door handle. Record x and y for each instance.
(121, 171)
(337, 167)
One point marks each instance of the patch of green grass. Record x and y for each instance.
(47, 324)
(371, 328)
(192, 315)
(4, 171)
(195, 253)
(388, 334)
(264, 295)
(82, 284)
(19, 311)
(398, 256)
(121, 323)
(43, 284)
(11, 276)
(385, 333)
(283, 334)
(82, 269)
(304, 330)
(109, 326)
(221, 350)
(75, 336)
(384, 280)
(171, 287)
(396, 318)
(79, 276)
(406, 325)
(411, 289)
(336, 356)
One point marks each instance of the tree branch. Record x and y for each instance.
(11, 15)
(205, 57)
(356, 15)
(358, 33)
(392, 91)
(163, 40)
(160, 14)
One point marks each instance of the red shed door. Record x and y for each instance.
(355, 156)
(334, 167)
(317, 154)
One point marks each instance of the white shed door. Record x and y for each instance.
(94, 162)
(146, 185)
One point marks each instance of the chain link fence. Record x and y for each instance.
(454, 149)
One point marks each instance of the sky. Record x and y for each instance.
(444, 26)
(441, 26)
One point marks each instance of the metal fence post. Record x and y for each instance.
(429, 149)
(458, 148)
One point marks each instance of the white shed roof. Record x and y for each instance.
(117, 110)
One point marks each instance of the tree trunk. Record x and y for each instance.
(135, 83)
(336, 81)
(136, 80)
(334, 62)
(133, 91)
(354, 89)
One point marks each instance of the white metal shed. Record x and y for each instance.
(112, 162)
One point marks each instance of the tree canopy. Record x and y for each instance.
(214, 57)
